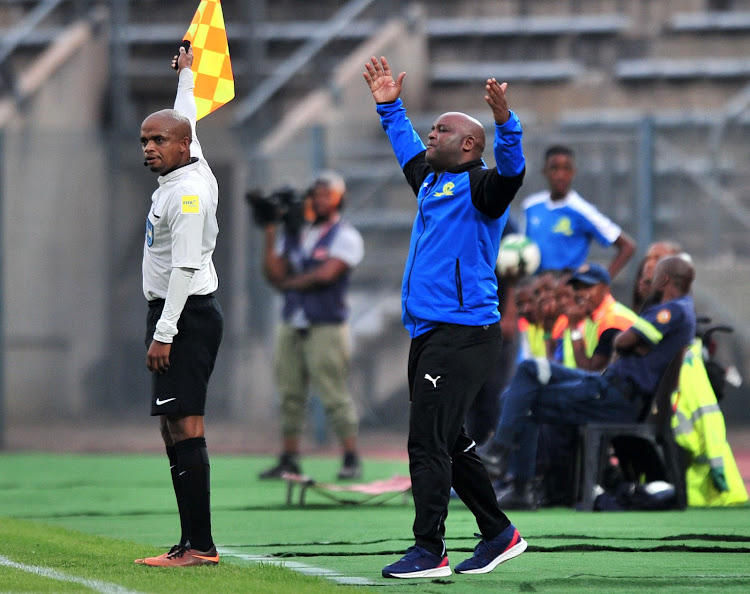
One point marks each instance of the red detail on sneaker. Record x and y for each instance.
(514, 540)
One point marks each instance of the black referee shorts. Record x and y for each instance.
(182, 389)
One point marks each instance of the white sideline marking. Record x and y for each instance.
(103, 587)
(328, 574)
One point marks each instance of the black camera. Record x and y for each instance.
(283, 205)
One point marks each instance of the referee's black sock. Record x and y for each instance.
(194, 475)
(177, 484)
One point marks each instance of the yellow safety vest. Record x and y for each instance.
(609, 314)
(569, 357)
(537, 344)
(699, 428)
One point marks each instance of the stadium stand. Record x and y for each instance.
(528, 71)
(588, 73)
(710, 22)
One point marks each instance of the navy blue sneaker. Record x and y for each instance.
(488, 554)
(418, 563)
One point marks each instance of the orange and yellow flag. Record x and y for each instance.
(212, 68)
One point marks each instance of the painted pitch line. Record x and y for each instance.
(54, 574)
(328, 574)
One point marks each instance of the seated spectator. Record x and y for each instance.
(656, 251)
(531, 331)
(569, 313)
(711, 474)
(546, 311)
(541, 306)
(544, 392)
(595, 319)
(592, 341)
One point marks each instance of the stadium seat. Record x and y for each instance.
(651, 439)
(526, 26)
(710, 22)
(682, 69)
(528, 71)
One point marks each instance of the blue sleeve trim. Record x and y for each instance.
(508, 150)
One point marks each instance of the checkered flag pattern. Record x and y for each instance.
(212, 68)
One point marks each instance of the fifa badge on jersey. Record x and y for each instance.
(149, 232)
(190, 205)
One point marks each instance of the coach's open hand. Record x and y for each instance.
(378, 76)
(495, 98)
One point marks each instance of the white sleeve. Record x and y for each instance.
(177, 294)
(604, 228)
(347, 246)
(184, 102)
(187, 227)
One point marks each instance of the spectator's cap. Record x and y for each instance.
(334, 182)
(591, 273)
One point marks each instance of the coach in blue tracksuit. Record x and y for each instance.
(450, 308)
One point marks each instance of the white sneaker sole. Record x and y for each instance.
(427, 573)
(514, 551)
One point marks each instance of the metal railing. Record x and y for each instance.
(299, 59)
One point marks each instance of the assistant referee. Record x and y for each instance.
(184, 322)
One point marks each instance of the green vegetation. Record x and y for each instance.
(86, 517)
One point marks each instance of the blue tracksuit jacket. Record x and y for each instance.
(450, 271)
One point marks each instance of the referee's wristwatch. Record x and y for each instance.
(576, 334)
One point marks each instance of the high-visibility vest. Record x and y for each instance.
(609, 314)
(698, 426)
(537, 343)
(561, 333)
(568, 356)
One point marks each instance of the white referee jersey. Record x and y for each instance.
(181, 226)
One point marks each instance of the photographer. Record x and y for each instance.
(310, 263)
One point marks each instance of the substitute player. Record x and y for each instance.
(185, 322)
(563, 224)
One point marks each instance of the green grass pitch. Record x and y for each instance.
(75, 522)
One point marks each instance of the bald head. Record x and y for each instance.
(165, 137)
(470, 126)
(676, 271)
(656, 252)
(660, 249)
(172, 121)
(455, 138)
